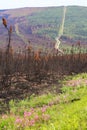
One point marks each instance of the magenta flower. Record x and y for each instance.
(27, 114)
(44, 108)
(36, 117)
(32, 122)
(18, 120)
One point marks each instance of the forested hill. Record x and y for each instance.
(36, 24)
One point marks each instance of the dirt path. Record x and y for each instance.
(19, 34)
(61, 30)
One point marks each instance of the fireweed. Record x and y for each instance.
(30, 118)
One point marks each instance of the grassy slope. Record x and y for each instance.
(65, 111)
(50, 20)
(44, 23)
(75, 22)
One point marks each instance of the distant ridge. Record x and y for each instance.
(41, 24)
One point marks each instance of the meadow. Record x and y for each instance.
(66, 110)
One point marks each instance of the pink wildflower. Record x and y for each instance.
(36, 117)
(27, 114)
(44, 108)
(32, 109)
(18, 120)
(32, 122)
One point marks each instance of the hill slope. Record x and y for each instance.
(40, 25)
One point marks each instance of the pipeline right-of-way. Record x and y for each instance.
(61, 30)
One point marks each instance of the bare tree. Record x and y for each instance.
(6, 76)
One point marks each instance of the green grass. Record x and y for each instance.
(62, 111)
